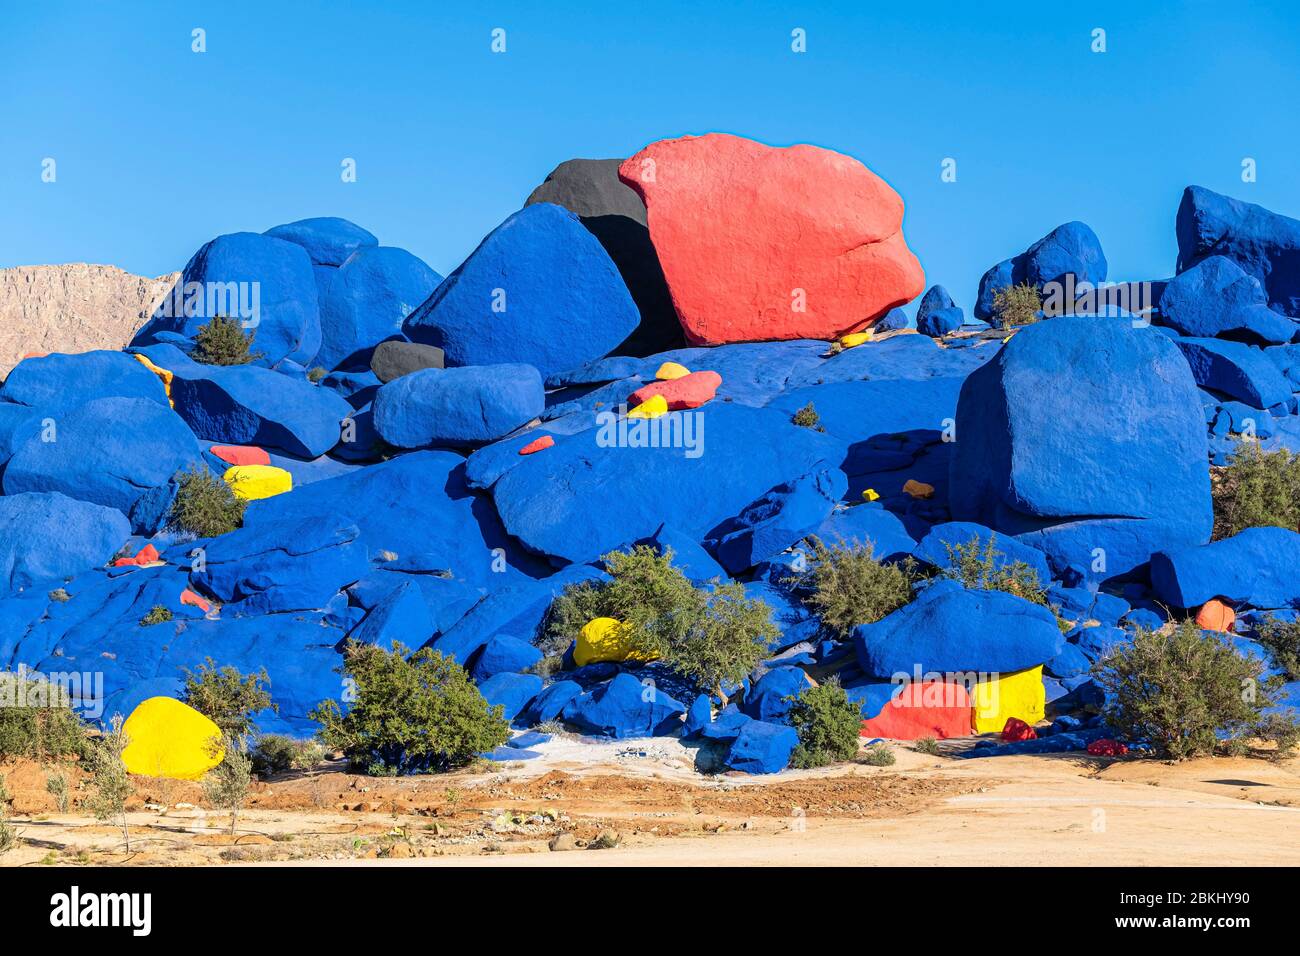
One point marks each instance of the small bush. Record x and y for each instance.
(316, 374)
(568, 614)
(846, 586)
(110, 783)
(226, 697)
(807, 417)
(1282, 638)
(1257, 489)
(8, 835)
(828, 724)
(60, 596)
(1016, 305)
(981, 570)
(879, 755)
(37, 721)
(927, 745)
(56, 785)
(412, 713)
(222, 341)
(227, 785)
(205, 505)
(276, 753)
(158, 614)
(1189, 693)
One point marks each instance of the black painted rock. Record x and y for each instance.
(394, 359)
(615, 215)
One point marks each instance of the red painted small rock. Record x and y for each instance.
(1016, 729)
(764, 243)
(537, 444)
(241, 454)
(146, 555)
(1105, 747)
(689, 391)
(195, 600)
(928, 709)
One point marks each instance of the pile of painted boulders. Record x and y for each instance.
(699, 347)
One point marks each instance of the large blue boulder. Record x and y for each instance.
(402, 615)
(1263, 243)
(266, 283)
(539, 289)
(622, 480)
(1257, 567)
(247, 405)
(548, 705)
(761, 747)
(57, 383)
(504, 654)
(329, 240)
(1070, 250)
(49, 537)
(457, 406)
(1236, 370)
(511, 691)
(949, 629)
(1215, 298)
(124, 453)
(868, 524)
(938, 314)
(366, 302)
(623, 708)
(768, 699)
(934, 548)
(778, 519)
(1084, 438)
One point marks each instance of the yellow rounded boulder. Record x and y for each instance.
(670, 371)
(252, 482)
(606, 639)
(855, 338)
(166, 738)
(652, 407)
(1018, 694)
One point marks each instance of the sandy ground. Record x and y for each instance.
(647, 800)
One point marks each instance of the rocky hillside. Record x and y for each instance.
(72, 308)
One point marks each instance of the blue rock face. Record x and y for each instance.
(1256, 566)
(934, 548)
(761, 747)
(1215, 298)
(624, 708)
(58, 383)
(1263, 243)
(539, 289)
(778, 519)
(457, 406)
(46, 537)
(1070, 250)
(329, 240)
(768, 698)
(937, 314)
(1084, 434)
(265, 282)
(1236, 370)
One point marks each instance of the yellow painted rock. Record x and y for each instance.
(166, 738)
(252, 482)
(652, 407)
(1017, 694)
(918, 489)
(855, 338)
(605, 639)
(671, 370)
(162, 373)
(870, 494)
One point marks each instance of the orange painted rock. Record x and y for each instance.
(537, 444)
(1214, 615)
(195, 600)
(241, 454)
(1017, 729)
(927, 709)
(763, 243)
(146, 555)
(918, 489)
(689, 391)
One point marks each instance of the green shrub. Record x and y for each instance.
(158, 614)
(205, 505)
(226, 785)
(412, 712)
(927, 745)
(56, 785)
(1282, 638)
(879, 755)
(807, 416)
(657, 602)
(576, 605)
(1257, 489)
(981, 570)
(8, 835)
(226, 697)
(316, 374)
(1016, 305)
(222, 341)
(828, 724)
(276, 753)
(110, 784)
(1189, 693)
(37, 721)
(846, 586)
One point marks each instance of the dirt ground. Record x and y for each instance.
(642, 803)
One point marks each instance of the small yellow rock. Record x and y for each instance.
(652, 407)
(870, 494)
(251, 482)
(855, 338)
(671, 370)
(166, 738)
(162, 373)
(1019, 694)
(605, 639)
(918, 489)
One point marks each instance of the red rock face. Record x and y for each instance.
(929, 709)
(241, 454)
(689, 391)
(1016, 729)
(761, 243)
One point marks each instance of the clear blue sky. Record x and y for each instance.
(158, 148)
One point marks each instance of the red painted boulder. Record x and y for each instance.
(689, 391)
(241, 454)
(1016, 729)
(145, 556)
(762, 243)
(927, 709)
(1105, 747)
(537, 444)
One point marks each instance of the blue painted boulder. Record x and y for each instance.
(937, 548)
(623, 708)
(949, 629)
(1081, 417)
(57, 383)
(761, 747)
(768, 698)
(868, 524)
(1255, 567)
(511, 692)
(504, 654)
(457, 406)
(1237, 370)
(1070, 250)
(539, 289)
(124, 453)
(47, 537)
(1215, 298)
(550, 702)
(329, 240)
(778, 519)
(400, 615)
(266, 283)
(938, 314)
(894, 320)
(366, 302)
